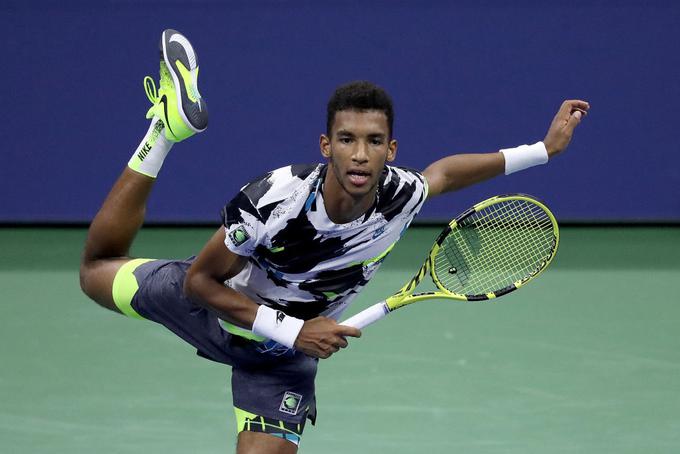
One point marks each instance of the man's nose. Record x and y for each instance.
(360, 152)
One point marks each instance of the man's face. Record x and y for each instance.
(357, 150)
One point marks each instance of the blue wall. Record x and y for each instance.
(465, 76)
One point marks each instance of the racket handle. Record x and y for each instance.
(368, 316)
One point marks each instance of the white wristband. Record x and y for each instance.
(277, 326)
(524, 156)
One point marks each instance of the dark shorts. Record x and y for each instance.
(263, 384)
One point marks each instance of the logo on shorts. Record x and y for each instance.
(239, 236)
(290, 403)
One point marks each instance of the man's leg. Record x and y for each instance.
(272, 401)
(257, 443)
(122, 214)
(111, 234)
(178, 112)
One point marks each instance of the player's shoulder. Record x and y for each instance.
(402, 190)
(393, 174)
(262, 196)
(279, 183)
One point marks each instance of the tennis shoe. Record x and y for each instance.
(177, 103)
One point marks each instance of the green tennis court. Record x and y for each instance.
(585, 359)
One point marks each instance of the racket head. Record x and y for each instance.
(494, 248)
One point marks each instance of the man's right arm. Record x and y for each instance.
(204, 284)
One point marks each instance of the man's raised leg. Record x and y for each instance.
(177, 112)
(111, 234)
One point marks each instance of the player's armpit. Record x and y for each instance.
(204, 283)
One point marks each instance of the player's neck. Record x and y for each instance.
(341, 206)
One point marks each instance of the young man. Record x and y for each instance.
(297, 245)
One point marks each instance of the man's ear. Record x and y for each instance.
(325, 146)
(391, 150)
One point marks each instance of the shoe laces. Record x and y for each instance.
(166, 84)
(150, 89)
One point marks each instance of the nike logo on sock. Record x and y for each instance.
(144, 151)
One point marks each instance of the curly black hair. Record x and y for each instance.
(359, 95)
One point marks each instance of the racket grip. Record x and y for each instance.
(368, 316)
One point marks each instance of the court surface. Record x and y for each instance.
(586, 359)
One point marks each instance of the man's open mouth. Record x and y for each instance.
(358, 177)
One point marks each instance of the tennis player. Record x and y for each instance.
(296, 245)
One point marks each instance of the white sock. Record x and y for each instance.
(152, 150)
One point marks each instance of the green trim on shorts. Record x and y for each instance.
(238, 331)
(246, 421)
(125, 286)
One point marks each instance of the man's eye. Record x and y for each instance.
(377, 141)
(345, 140)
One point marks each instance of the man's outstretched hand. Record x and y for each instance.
(562, 127)
(320, 337)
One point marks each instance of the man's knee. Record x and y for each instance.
(96, 280)
(87, 279)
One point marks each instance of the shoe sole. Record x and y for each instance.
(175, 46)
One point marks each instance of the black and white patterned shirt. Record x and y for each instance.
(299, 260)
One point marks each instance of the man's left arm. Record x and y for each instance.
(462, 170)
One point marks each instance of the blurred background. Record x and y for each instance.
(466, 76)
(586, 359)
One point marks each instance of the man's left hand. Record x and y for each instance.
(562, 127)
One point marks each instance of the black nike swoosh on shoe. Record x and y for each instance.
(164, 100)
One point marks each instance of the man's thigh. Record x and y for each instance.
(257, 443)
(154, 290)
(272, 395)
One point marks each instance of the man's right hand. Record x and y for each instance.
(320, 337)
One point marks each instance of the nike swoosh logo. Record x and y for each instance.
(164, 100)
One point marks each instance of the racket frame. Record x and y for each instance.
(406, 296)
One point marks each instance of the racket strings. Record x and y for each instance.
(516, 229)
(495, 247)
(496, 279)
(519, 247)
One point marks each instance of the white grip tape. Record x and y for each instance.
(524, 156)
(277, 326)
(367, 316)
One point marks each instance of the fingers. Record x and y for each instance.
(578, 104)
(332, 346)
(570, 106)
(344, 330)
(570, 114)
(322, 336)
(341, 342)
(574, 119)
(335, 343)
(573, 104)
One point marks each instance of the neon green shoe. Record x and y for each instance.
(178, 103)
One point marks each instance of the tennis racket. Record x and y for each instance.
(490, 250)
